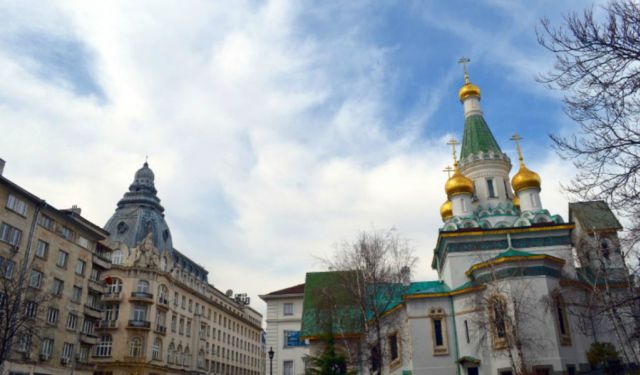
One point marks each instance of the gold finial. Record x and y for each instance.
(448, 169)
(464, 61)
(516, 138)
(453, 142)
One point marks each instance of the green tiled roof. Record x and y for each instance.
(328, 306)
(595, 215)
(477, 137)
(426, 287)
(513, 253)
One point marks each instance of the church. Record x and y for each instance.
(516, 282)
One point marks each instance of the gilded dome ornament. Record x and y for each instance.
(458, 183)
(446, 210)
(525, 178)
(468, 89)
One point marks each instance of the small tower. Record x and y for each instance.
(526, 183)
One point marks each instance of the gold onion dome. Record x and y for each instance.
(446, 210)
(468, 89)
(525, 179)
(458, 184)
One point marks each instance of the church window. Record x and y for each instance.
(490, 188)
(498, 319)
(394, 350)
(466, 331)
(438, 331)
(135, 347)
(563, 322)
(117, 257)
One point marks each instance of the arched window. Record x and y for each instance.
(563, 321)
(143, 286)
(179, 355)
(114, 285)
(163, 294)
(185, 357)
(171, 353)
(156, 349)
(117, 257)
(201, 359)
(135, 347)
(103, 349)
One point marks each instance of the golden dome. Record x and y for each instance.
(458, 184)
(446, 210)
(467, 90)
(516, 201)
(525, 179)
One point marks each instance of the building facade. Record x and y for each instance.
(52, 262)
(516, 284)
(161, 315)
(284, 322)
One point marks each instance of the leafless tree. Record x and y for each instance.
(597, 66)
(22, 310)
(382, 262)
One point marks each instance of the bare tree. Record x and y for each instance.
(597, 67)
(22, 310)
(382, 262)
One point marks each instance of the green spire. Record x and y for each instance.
(477, 137)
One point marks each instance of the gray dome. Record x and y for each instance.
(138, 213)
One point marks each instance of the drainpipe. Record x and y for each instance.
(455, 334)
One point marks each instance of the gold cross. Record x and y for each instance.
(448, 169)
(516, 138)
(453, 143)
(464, 61)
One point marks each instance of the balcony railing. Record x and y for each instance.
(140, 324)
(161, 329)
(108, 324)
(112, 296)
(93, 311)
(142, 296)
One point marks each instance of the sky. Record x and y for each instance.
(276, 129)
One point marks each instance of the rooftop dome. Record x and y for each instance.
(525, 179)
(458, 184)
(446, 210)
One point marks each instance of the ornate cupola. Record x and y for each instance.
(526, 183)
(446, 210)
(459, 188)
(139, 213)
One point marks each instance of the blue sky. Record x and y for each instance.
(276, 129)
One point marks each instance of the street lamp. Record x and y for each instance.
(270, 360)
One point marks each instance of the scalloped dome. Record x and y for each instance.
(446, 210)
(458, 184)
(525, 179)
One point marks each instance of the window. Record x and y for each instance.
(135, 347)
(170, 353)
(24, 343)
(6, 267)
(466, 331)
(111, 312)
(563, 322)
(80, 267)
(65, 232)
(163, 294)
(46, 222)
(83, 356)
(174, 321)
(287, 368)
(188, 328)
(35, 279)
(117, 257)
(77, 294)
(72, 321)
(394, 352)
(10, 235)
(184, 302)
(103, 349)
(62, 259)
(67, 352)
(41, 249)
(46, 348)
(17, 205)
(156, 349)
(181, 326)
(139, 312)
(490, 188)
(115, 286)
(190, 305)
(287, 309)
(87, 326)
(143, 286)
(31, 309)
(83, 242)
(497, 315)
(438, 331)
(52, 315)
(175, 298)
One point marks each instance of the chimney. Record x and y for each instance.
(405, 276)
(2, 163)
(76, 210)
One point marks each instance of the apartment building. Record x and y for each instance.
(161, 315)
(52, 261)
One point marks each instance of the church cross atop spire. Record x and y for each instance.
(517, 138)
(448, 169)
(453, 142)
(464, 61)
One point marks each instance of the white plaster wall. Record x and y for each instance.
(277, 323)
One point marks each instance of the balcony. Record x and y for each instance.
(163, 302)
(141, 297)
(160, 329)
(111, 296)
(88, 338)
(98, 286)
(93, 311)
(102, 261)
(139, 324)
(108, 324)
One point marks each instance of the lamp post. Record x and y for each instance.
(271, 360)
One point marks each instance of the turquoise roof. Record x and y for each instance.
(513, 253)
(427, 287)
(477, 137)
